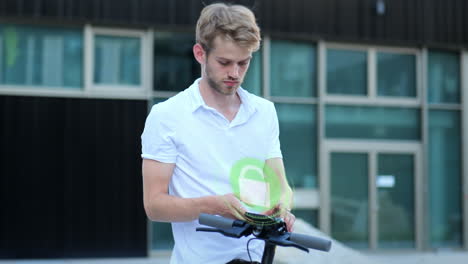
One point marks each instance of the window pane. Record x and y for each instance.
(175, 68)
(372, 122)
(396, 74)
(162, 238)
(445, 178)
(308, 215)
(41, 56)
(298, 133)
(350, 198)
(253, 79)
(117, 60)
(346, 72)
(396, 203)
(293, 69)
(444, 77)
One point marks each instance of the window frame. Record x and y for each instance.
(372, 97)
(146, 43)
(41, 90)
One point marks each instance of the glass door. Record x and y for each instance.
(395, 200)
(350, 198)
(372, 199)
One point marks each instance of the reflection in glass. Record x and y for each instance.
(445, 178)
(395, 200)
(308, 215)
(175, 68)
(298, 133)
(162, 238)
(443, 77)
(253, 78)
(372, 122)
(346, 72)
(293, 69)
(41, 56)
(117, 60)
(350, 198)
(396, 74)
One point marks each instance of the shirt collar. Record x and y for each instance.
(197, 100)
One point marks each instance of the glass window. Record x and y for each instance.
(308, 215)
(293, 69)
(41, 56)
(298, 134)
(372, 122)
(445, 178)
(350, 198)
(253, 78)
(346, 72)
(175, 68)
(443, 77)
(396, 74)
(117, 60)
(396, 201)
(162, 236)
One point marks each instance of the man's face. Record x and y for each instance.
(226, 65)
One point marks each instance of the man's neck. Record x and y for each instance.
(228, 105)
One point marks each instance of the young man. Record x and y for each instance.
(193, 141)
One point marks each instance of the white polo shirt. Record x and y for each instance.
(204, 146)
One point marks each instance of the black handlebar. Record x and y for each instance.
(238, 228)
(311, 242)
(215, 221)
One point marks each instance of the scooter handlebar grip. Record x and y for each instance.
(311, 242)
(215, 221)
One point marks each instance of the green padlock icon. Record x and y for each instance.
(254, 191)
(255, 184)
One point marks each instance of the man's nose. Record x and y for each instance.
(234, 71)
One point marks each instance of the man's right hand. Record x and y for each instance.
(230, 206)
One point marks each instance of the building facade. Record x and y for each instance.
(370, 94)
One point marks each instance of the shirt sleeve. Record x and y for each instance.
(275, 148)
(158, 137)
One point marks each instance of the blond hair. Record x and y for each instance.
(232, 22)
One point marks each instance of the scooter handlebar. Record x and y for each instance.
(215, 221)
(311, 242)
(220, 222)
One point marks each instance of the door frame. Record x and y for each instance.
(372, 147)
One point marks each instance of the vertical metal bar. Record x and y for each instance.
(422, 225)
(325, 192)
(373, 200)
(419, 198)
(371, 74)
(88, 54)
(464, 101)
(324, 155)
(266, 67)
(147, 62)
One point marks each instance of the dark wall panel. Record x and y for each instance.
(412, 22)
(70, 183)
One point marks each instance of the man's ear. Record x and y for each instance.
(199, 53)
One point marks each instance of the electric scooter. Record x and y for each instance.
(270, 229)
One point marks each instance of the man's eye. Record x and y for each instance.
(224, 63)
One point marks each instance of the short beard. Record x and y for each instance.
(215, 86)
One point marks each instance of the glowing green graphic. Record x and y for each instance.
(256, 184)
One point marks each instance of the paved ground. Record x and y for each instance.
(394, 258)
(339, 254)
(445, 257)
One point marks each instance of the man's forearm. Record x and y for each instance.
(168, 208)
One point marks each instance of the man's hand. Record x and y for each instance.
(283, 212)
(230, 206)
